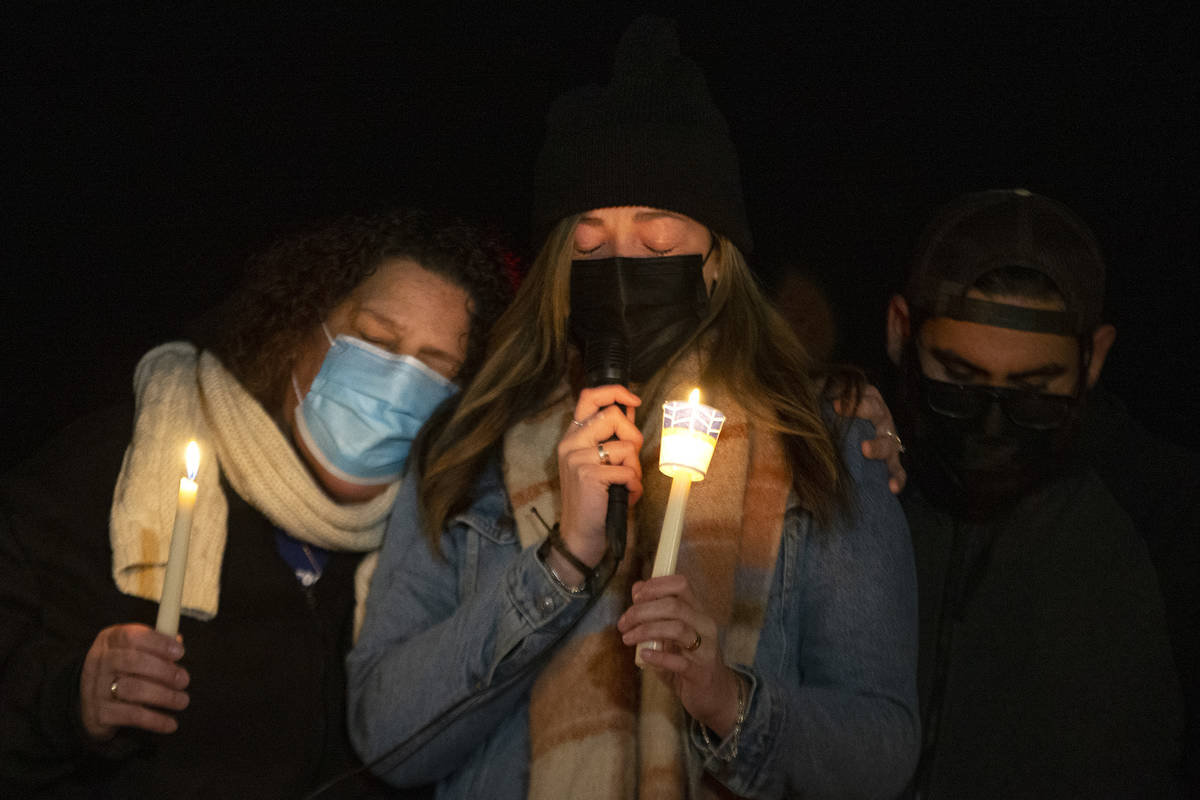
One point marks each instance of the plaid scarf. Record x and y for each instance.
(599, 727)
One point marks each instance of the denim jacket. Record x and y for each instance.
(451, 645)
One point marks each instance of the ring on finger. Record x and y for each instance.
(893, 435)
(112, 690)
(602, 453)
(695, 645)
(578, 423)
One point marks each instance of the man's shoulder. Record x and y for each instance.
(1079, 511)
(1079, 493)
(1075, 499)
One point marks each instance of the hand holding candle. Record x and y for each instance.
(689, 437)
(172, 592)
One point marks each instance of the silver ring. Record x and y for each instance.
(695, 645)
(602, 453)
(578, 424)
(112, 690)
(894, 435)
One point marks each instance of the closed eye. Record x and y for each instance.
(957, 368)
(381, 342)
(959, 375)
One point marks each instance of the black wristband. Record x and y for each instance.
(554, 540)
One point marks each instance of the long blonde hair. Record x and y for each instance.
(753, 349)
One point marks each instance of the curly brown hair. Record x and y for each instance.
(295, 283)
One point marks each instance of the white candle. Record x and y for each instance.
(667, 554)
(689, 437)
(172, 592)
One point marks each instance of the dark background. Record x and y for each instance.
(147, 153)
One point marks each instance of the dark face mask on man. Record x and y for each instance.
(979, 448)
(652, 305)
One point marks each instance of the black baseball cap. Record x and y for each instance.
(985, 231)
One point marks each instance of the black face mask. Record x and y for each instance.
(980, 448)
(652, 305)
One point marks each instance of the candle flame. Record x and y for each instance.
(694, 397)
(192, 458)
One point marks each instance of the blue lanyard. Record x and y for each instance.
(306, 560)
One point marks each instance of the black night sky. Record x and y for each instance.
(149, 150)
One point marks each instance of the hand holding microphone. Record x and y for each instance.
(598, 453)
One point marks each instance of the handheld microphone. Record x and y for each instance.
(606, 361)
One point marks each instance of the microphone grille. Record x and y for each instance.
(606, 361)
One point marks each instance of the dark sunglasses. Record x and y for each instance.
(1029, 409)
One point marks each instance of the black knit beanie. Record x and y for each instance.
(652, 137)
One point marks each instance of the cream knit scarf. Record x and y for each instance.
(183, 395)
(599, 727)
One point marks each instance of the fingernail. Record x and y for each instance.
(176, 650)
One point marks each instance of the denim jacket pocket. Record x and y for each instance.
(488, 543)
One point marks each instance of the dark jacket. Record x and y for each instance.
(266, 717)
(1157, 482)
(1045, 669)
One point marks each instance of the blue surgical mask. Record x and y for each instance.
(364, 409)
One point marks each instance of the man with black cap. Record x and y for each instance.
(1044, 668)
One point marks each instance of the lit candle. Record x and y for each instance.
(172, 592)
(689, 437)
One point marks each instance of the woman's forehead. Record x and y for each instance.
(632, 214)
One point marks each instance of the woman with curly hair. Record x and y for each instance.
(304, 396)
(497, 653)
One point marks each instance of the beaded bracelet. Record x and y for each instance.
(731, 743)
